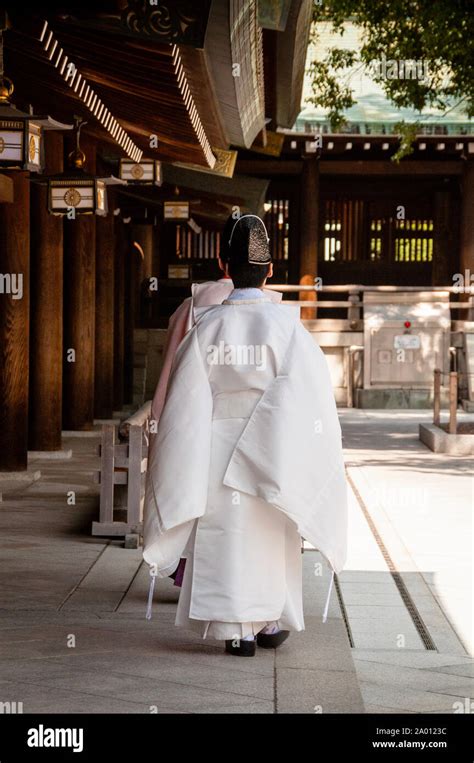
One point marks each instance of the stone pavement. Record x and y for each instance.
(408, 583)
(73, 633)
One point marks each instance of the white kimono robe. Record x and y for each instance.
(247, 460)
(182, 320)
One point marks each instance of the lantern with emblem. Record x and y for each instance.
(21, 145)
(76, 190)
(146, 172)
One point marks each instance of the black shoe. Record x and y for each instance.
(272, 640)
(244, 648)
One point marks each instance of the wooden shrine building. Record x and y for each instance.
(185, 113)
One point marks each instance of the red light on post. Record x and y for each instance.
(407, 324)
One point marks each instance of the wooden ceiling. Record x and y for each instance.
(142, 83)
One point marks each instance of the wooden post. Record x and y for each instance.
(6, 190)
(46, 345)
(443, 239)
(309, 220)
(353, 312)
(467, 230)
(135, 458)
(14, 324)
(349, 364)
(119, 317)
(132, 258)
(453, 401)
(79, 314)
(143, 235)
(437, 397)
(107, 465)
(143, 240)
(307, 313)
(104, 323)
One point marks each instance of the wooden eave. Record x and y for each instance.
(290, 62)
(143, 84)
(233, 28)
(198, 72)
(241, 190)
(208, 204)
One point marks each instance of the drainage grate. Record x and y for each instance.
(343, 610)
(421, 628)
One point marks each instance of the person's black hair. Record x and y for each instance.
(246, 275)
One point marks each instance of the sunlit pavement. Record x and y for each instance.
(74, 637)
(407, 588)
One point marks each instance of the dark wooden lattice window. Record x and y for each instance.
(197, 246)
(343, 230)
(278, 226)
(355, 230)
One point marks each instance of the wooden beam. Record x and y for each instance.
(268, 168)
(174, 22)
(342, 167)
(14, 325)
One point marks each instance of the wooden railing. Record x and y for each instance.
(122, 478)
(354, 303)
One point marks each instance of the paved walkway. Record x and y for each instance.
(73, 634)
(408, 588)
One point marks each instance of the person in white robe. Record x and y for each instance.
(183, 319)
(247, 461)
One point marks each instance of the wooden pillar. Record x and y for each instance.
(467, 232)
(104, 324)
(132, 259)
(309, 220)
(46, 346)
(444, 239)
(156, 265)
(142, 240)
(79, 314)
(14, 324)
(143, 235)
(119, 316)
(307, 313)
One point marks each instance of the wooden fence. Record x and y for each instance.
(122, 478)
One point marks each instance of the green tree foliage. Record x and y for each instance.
(439, 33)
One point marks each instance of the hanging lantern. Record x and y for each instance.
(21, 134)
(76, 189)
(146, 172)
(20, 137)
(21, 144)
(85, 194)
